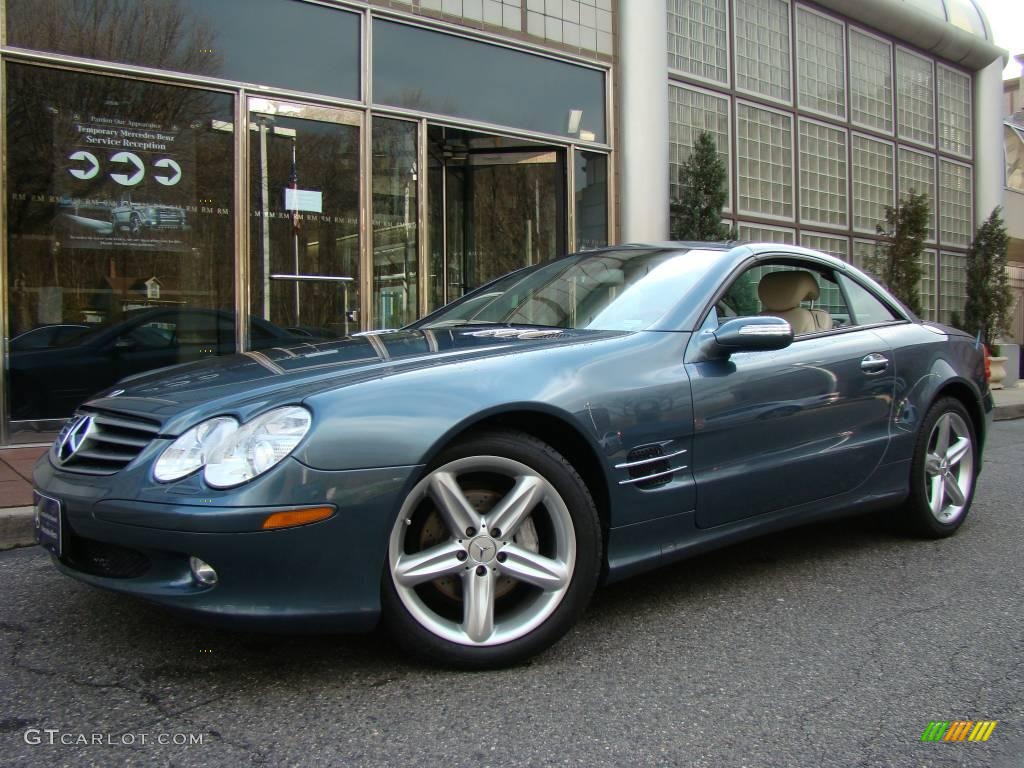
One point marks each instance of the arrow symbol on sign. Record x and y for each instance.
(168, 181)
(123, 179)
(84, 173)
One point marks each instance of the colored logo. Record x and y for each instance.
(959, 730)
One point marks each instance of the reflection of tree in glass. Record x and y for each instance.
(43, 106)
(515, 212)
(161, 35)
(326, 160)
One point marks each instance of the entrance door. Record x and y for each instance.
(496, 204)
(304, 223)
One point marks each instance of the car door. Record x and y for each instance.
(778, 429)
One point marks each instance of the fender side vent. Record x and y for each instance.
(649, 467)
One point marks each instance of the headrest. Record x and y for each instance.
(780, 291)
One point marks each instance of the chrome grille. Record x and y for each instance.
(100, 442)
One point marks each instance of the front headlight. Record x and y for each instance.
(191, 451)
(256, 446)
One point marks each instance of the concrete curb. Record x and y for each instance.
(1007, 412)
(17, 528)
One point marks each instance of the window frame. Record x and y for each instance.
(938, 108)
(893, 167)
(683, 74)
(734, 74)
(850, 30)
(793, 180)
(933, 146)
(844, 117)
(811, 264)
(849, 176)
(730, 203)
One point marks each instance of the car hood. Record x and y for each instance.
(245, 382)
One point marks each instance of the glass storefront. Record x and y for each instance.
(156, 220)
(316, 49)
(395, 211)
(497, 205)
(119, 214)
(304, 223)
(445, 74)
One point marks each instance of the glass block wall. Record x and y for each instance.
(917, 174)
(873, 181)
(927, 285)
(915, 105)
(823, 152)
(579, 26)
(692, 110)
(698, 39)
(953, 284)
(764, 161)
(826, 122)
(763, 51)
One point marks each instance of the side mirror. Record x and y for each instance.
(748, 334)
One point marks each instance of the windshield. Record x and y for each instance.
(626, 290)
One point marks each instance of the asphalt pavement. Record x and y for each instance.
(833, 645)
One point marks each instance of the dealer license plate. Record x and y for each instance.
(48, 523)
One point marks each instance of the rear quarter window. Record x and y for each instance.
(865, 307)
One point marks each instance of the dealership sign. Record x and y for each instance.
(124, 184)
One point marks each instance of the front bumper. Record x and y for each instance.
(321, 576)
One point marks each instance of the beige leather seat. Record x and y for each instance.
(781, 294)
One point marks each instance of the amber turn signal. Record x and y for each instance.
(294, 517)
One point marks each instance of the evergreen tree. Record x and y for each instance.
(989, 299)
(697, 213)
(897, 259)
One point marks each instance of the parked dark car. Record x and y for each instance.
(473, 477)
(51, 382)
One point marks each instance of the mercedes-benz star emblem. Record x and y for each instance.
(482, 549)
(74, 439)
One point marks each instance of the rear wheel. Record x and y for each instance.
(943, 471)
(494, 554)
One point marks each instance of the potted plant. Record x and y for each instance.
(989, 299)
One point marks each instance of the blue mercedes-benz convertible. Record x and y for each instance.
(473, 477)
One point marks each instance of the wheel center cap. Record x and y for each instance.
(483, 549)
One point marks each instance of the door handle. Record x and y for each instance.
(874, 363)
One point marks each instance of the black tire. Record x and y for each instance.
(916, 514)
(418, 640)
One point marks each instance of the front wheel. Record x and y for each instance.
(494, 554)
(943, 471)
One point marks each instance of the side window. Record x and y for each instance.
(158, 333)
(807, 297)
(203, 329)
(866, 308)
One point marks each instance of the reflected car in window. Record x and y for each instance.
(471, 478)
(47, 336)
(50, 382)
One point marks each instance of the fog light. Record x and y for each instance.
(202, 572)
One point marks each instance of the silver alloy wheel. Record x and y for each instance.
(482, 548)
(949, 468)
